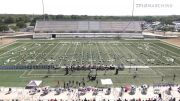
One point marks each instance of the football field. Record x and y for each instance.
(145, 61)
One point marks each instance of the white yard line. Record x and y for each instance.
(48, 53)
(57, 53)
(91, 54)
(28, 55)
(29, 73)
(22, 75)
(8, 45)
(171, 69)
(79, 41)
(82, 54)
(158, 57)
(73, 54)
(133, 54)
(155, 48)
(166, 50)
(26, 52)
(153, 56)
(163, 51)
(41, 52)
(79, 76)
(166, 66)
(99, 53)
(160, 73)
(108, 54)
(125, 73)
(11, 50)
(65, 55)
(119, 51)
(115, 52)
(152, 70)
(169, 44)
(15, 54)
(121, 42)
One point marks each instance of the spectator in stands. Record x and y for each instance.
(85, 99)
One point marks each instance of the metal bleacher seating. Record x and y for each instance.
(88, 26)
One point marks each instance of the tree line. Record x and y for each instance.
(13, 21)
(20, 20)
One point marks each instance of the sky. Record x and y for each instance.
(91, 7)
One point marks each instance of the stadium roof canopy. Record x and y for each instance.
(87, 26)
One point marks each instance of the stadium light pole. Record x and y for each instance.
(133, 14)
(43, 9)
(133, 9)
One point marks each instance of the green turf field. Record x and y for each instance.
(162, 60)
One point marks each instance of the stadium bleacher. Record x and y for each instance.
(117, 28)
(86, 26)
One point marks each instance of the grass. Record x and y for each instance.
(162, 59)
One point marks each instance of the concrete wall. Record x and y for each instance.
(90, 35)
(42, 36)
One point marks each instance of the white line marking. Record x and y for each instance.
(82, 54)
(99, 53)
(48, 53)
(73, 54)
(8, 45)
(108, 54)
(11, 50)
(65, 54)
(27, 55)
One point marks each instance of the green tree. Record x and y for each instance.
(33, 22)
(15, 28)
(74, 17)
(23, 18)
(3, 28)
(9, 20)
(21, 24)
(58, 17)
(149, 18)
